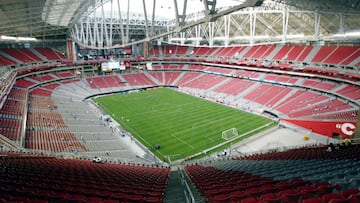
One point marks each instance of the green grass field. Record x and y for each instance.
(181, 124)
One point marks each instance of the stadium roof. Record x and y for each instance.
(54, 20)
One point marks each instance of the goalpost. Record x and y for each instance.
(230, 133)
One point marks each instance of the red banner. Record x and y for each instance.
(327, 128)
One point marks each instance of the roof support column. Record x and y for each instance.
(128, 23)
(252, 26)
(197, 35)
(146, 21)
(285, 24)
(317, 17)
(121, 23)
(211, 33)
(226, 30)
(342, 24)
(153, 19)
(109, 41)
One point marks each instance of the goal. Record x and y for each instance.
(230, 133)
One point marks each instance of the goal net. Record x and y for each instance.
(230, 133)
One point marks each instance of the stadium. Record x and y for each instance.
(180, 101)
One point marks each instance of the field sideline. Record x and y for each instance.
(181, 124)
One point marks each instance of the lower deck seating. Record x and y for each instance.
(298, 175)
(29, 178)
(46, 129)
(12, 114)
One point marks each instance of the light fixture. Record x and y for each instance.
(4, 37)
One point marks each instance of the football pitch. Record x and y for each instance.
(182, 125)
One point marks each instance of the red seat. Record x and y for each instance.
(308, 191)
(237, 195)
(249, 200)
(134, 197)
(348, 192)
(289, 196)
(354, 198)
(120, 196)
(153, 200)
(330, 196)
(220, 198)
(312, 200)
(94, 200)
(270, 198)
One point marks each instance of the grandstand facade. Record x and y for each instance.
(283, 60)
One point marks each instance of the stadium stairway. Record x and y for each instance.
(175, 189)
(312, 54)
(197, 195)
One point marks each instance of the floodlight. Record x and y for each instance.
(4, 37)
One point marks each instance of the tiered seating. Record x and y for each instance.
(47, 179)
(41, 92)
(159, 76)
(181, 50)
(105, 82)
(46, 129)
(11, 114)
(157, 67)
(263, 52)
(64, 74)
(196, 67)
(350, 91)
(176, 66)
(324, 107)
(350, 58)
(42, 78)
(169, 50)
(341, 53)
(296, 175)
(319, 84)
(234, 86)
(219, 70)
(303, 54)
(203, 82)
(282, 79)
(251, 51)
(6, 81)
(51, 86)
(24, 83)
(188, 76)
(52, 140)
(21, 56)
(230, 51)
(323, 53)
(224, 185)
(6, 61)
(223, 51)
(342, 116)
(267, 94)
(138, 79)
(113, 81)
(282, 54)
(50, 54)
(203, 51)
(170, 77)
(45, 119)
(154, 51)
(300, 99)
(261, 89)
(247, 74)
(97, 82)
(30, 54)
(274, 95)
